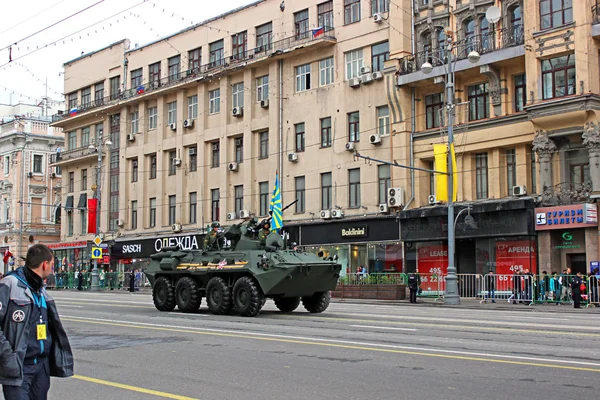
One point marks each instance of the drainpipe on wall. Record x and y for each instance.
(280, 62)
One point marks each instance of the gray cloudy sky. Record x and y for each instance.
(141, 23)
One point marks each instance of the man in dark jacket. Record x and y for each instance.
(414, 281)
(576, 290)
(33, 342)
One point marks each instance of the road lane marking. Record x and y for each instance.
(128, 301)
(182, 313)
(96, 303)
(383, 327)
(70, 306)
(388, 348)
(133, 388)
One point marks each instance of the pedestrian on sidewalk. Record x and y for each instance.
(576, 283)
(544, 286)
(555, 288)
(491, 286)
(413, 286)
(33, 342)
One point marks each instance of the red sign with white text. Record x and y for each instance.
(515, 256)
(432, 263)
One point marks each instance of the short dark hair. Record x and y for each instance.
(37, 254)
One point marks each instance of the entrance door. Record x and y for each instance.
(578, 263)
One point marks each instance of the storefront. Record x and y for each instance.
(72, 256)
(372, 243)
(567, 237)
(500, 237)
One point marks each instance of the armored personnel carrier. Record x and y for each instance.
(238, 273)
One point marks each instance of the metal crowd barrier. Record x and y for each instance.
(376, 278)
(593, 287)
(510, 287)
(470, 286)
(106, 280)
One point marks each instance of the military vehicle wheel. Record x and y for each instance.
(317, 303)
(163, 294)
(287, 304)
(247, 297)
(218, 296)
(187, 294)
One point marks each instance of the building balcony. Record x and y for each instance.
(279, 49)
(596, 19)
(79, 154)
(494, 46)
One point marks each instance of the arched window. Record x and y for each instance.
(441, 39)
(57, 215)
(427, 47)
(486, 34)
(469, 30)
(516, 24)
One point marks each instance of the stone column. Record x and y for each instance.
(544, 147)
(591, 139)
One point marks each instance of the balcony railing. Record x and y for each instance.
(213, 67)
(483, 43)
(596, 12)
(71, 154)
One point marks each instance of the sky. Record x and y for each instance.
(41, 56)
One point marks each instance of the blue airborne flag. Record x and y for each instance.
(275, 208)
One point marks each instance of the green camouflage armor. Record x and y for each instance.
(209, 240)
(262, 236)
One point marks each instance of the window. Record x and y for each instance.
(301, 24)
(481, 175)
(152, 117)
(354, 187)
(441, 36)
(264, 144)
(192, 107)
(326, 132)
(380, 53)
(152, 222)
(385, 182)
(555, 13)
(431, 178)
(72, 100)
(135, 122)
(520, 92)
(84, 184)
(134, 170)
(114, 187)
(427, 46)
(238, 45)
(239, 198)
(380, 6)
(136, 78)
(580, 175)
(215, 155)
(479, 102)
(172, 209)
(511, 169)
(86, 96)
(303, 78)
(351, 11)
(99, 92)
(114, 160)
(193, 207)
(469, 30)
(516, 23)
(383, 120)
(134, 216)
(325, 15)
(214, 101)
(70, 224)
(264, 37)
(326, 71)
(115, 87)
(300, 194)
(99, 128)
(262, 88)
(214, 204)
(354, 62)
(300, 136)
(172, 112)
(6, 165)
(353, 127)
(194, 60)
(71, 182)
(263, 199)
(486, 38)
(558, 76)
(172, 166)
(37, 163)
(216, 53)
(237, 95)
(82, 221)
(239, 150)
(153, 166)
(72, 140)
(326, 191)
(154, 72)
(433, 107)
(85, 137)
(533, 173)
(174, 68)
(193, 153)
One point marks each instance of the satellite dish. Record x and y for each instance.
(493, 14)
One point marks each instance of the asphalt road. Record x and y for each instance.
(126, 349)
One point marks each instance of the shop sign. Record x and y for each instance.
(561, 217)
(567, 242)
(69, 245)
(189, 242)
(142, 248)
(517, 255)
(594, 265)
(355, 232)
(432, 262)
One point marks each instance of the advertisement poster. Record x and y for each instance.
(432, 262)
(512, 256)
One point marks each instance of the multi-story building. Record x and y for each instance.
(526, 133)
(201, 121)
(30, 189)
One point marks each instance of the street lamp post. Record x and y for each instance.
(100, 141)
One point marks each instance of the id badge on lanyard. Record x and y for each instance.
(42, 333)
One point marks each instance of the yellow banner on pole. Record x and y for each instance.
(440, 153)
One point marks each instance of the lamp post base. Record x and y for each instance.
(451, 296)
(95, 281)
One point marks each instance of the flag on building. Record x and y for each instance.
(92, 215)
(275, 208)
(440, 153)
(73, 111)
(318, 31)
(141, 89)
(7, 256)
